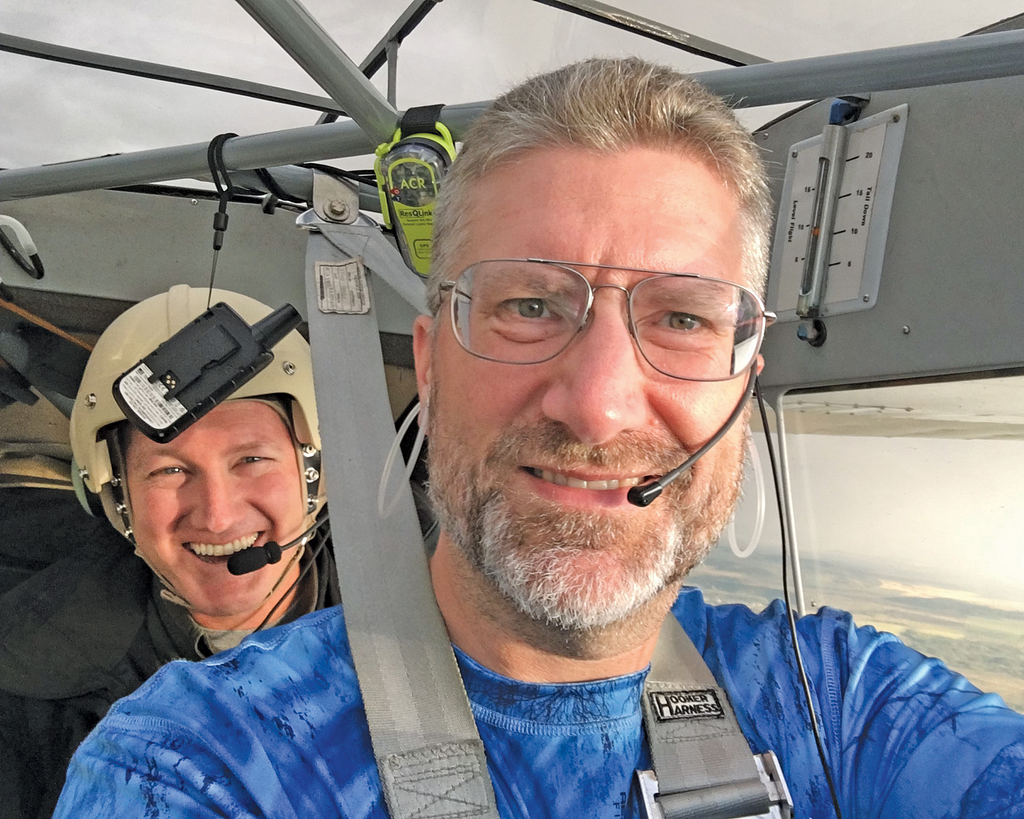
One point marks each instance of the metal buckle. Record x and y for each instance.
(769, 774)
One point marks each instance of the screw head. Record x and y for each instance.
(83, 473)
(866, 298)
(336, 209)
(308, 451)
(90, 400)
(793, 154)
(311, 474)
(288, 367)
(906, 329)
(194, 202)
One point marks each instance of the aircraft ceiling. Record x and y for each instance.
(463, 51)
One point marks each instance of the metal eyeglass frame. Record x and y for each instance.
(767, 317)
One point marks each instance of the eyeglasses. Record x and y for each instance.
(527, 311)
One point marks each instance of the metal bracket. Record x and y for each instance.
(708, 803)
(380, 256)
(334, 199)
(834, 217)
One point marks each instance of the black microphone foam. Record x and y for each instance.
(254, 559)
(644, 495)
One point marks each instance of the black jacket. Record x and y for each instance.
(74, 637)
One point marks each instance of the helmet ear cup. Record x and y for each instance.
(90, 501)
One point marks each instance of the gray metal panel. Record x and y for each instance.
(131, 245)
(127, 246)
(953, 265)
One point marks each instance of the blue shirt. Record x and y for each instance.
(275, 728)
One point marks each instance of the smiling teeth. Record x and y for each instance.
(559, 479)
(221, 549)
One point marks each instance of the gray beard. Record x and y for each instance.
(570, 569)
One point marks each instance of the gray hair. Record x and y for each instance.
(607, 105)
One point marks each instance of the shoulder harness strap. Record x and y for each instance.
(703, 766)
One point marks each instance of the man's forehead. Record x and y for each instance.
(639, 206)
(676, 159)
(576, 173)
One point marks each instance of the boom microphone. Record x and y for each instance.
(256, 557)
(646, 495)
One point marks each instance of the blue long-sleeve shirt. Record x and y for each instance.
(276, 728)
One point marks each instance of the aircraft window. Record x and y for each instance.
(907, 505)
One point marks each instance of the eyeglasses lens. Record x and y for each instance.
(528, 312)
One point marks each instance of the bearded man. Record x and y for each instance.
(596, 317)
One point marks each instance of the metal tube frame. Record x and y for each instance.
(653, 30)
(313, 49)
(983, 56)
(307, 144)
(400, 29)
(964, 59)
(165, 73)
(800, 605)
(393, 71)
(380, 54)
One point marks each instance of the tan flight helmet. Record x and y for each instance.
(98, 464)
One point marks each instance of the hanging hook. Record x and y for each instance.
(33, 265)
(225, 190)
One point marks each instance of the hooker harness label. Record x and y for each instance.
(701, 703)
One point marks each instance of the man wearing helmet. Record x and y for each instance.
(92, 627)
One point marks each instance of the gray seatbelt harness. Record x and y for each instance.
(703, 768)
(425, 741)
(428, 750)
